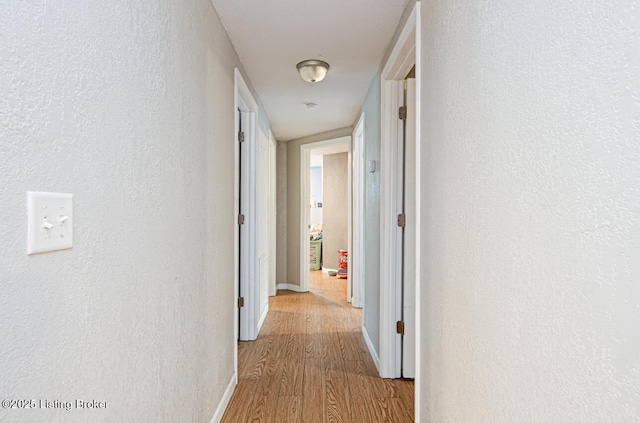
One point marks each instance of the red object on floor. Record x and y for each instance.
(343, 264)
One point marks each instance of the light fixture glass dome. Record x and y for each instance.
(313, 70)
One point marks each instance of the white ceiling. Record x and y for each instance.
(272, 36)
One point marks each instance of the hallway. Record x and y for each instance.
(310, 364)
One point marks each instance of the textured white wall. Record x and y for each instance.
(531, 238)
(315, 182)
(371, 309)
(335, 182)
(129, 106)
(281, 213)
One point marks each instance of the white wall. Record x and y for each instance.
(315, 181)
(531, 239)
(315, 214)
(371, 309)
(281, 213)
(129, 106)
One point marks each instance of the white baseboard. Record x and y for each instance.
(224, 402)
(327, 270)
(372, 350)
(288, 286)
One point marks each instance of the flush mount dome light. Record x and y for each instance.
(312, 70)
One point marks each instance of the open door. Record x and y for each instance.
(398, 337)
(409, 233)
(246, 289)
(243, 229)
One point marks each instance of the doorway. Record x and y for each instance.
(329, 224)
(328, 213)
(400, 211)
(250, 245)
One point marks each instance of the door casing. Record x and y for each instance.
(356, 259)
(272, 214)
(405, 55)
(246, 318)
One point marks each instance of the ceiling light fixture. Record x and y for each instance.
(313, 70)
(311, 105)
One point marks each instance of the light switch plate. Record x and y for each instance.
(49, 222)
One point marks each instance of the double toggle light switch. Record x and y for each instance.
(47, 225)
(50, 222)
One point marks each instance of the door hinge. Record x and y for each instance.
(241, 219)
(402, 112)
(240, 136)
(402, 220)
(400, 327)
(240, 302)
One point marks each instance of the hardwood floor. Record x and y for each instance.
(310, 364)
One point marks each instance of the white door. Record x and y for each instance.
(272, 214)
(409, 260)
(356, 259)
(243, 229)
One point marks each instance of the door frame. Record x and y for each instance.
(356, 259)
(305, 194)
(273, 145)
(245, 318)
(405, 54)
(410, 235)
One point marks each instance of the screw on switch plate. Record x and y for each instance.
(49, 222)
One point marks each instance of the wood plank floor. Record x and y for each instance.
(310, 364)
